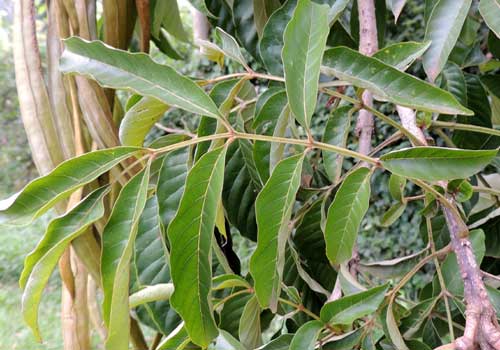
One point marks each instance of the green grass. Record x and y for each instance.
(14, 334)
(15, 243)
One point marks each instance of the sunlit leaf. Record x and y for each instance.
(273, 210)
(190, 234)
(42, 193)
(490, 10)
(434, 163)
(349, 308)
(40, 263)
(336, 132)
(117, 250)
(139, 119)
(137, 72)
(401, 55)
(304, 44)
(345, 214)
(388, 82)
(306, 336)
(443, 29)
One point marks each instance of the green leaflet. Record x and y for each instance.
(262, 10)
(490, 10)
(249, 331)
(149, 268)
(230, 47)
(336, 132)
(345, 214)
(42, 193)
(280, 343)
(391, 215)
(273, 211)
(166, 14)
(347, 309)
(306, 336)
(244, 25)
(40, 263)
(239, 192)
(443, 29)
(139, 119)
(389, 83)
(137, 72)
(117, 250)
(434, 163)
(190, 234)
(453, 80)
(402, 55)
(271, 43)
(397, 186)
(171, 183)
(270, 105)
(304, 43)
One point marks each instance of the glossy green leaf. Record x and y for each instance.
(490, 10)
(244, 25)
(171, 183)
(249, 331)
(391, 215)
(435, 163)
(42, 193)
(139, 119)
(453, 80)
(401, 55)
(273, 211)
(389, 83)
(281, 129)
(271, 43)
(345, 214)
(262, 10)
(149, 268)
(349, 308)
(397, 186)
(336, 132)
(477, 100)
(310, 243)
(190, 234)
(272, 103)
(306, 336)
(304, 44)
(230, 47)
(239, 193)
(117, 250)
(443, 29)
(137, 72)
(40, 263)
